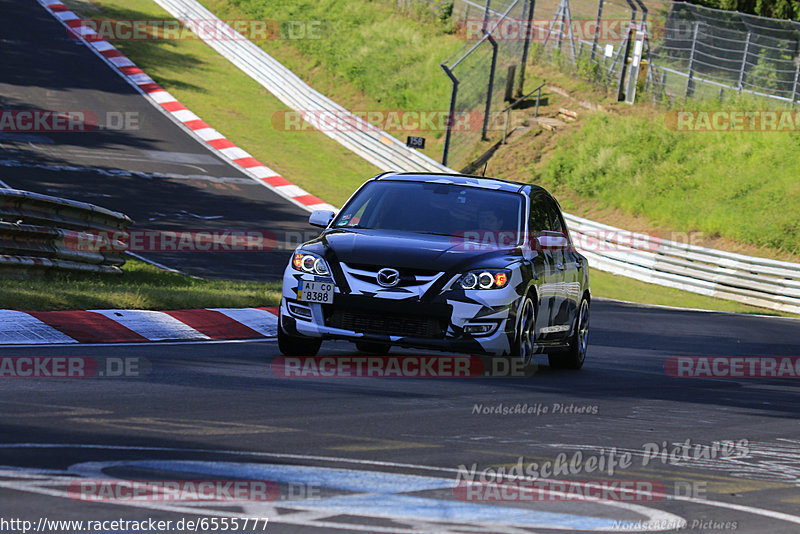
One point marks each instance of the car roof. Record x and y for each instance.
(457, 179)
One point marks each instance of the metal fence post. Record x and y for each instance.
(531, 4)
(451, 117)
(624, 56)
(621, 89)
(486, 16)
(490, 89)
(597, 28)
(563, 22)
(744, 62)
(794, 84)
(689, 78)
(568, 19)
(638, 49)
(633, 70)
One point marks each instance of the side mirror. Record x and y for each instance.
(552, 241)
(321, 218)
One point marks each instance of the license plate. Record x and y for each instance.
(321, 292)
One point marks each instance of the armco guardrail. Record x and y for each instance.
(756, 281)
(40, 232)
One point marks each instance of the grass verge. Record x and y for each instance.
(142, 286)
(370, 45)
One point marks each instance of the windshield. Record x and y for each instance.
(431, 208)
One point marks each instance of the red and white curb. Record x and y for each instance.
(136, 326)
(193, 124)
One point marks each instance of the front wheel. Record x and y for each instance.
(297, 346)
(525, 344)
(574, 357)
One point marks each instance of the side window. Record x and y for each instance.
(354, 216)
(554, 216)
(538, 219)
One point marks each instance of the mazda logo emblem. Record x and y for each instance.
(388, 277)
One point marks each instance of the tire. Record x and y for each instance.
(524, 343)
(575, 356)
(297, 346)
(371, 347)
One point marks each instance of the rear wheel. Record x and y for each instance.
(574, 357)
(373, 348)
(297, 346)
(524, 345)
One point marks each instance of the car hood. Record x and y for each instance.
(404, 250)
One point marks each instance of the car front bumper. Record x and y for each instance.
(441, 322)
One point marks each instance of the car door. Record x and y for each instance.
(552, 278)
(566, 265)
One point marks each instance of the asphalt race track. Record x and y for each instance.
(138, 161)
(383, 453)
(357, 454)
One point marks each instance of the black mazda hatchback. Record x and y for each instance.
(438, 261)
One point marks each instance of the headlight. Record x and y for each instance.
(484, 279)
(310, 263)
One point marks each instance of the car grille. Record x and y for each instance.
(388, 325)
(424, 273)
(408, 277)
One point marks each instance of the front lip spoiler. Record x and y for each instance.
(457, 345)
